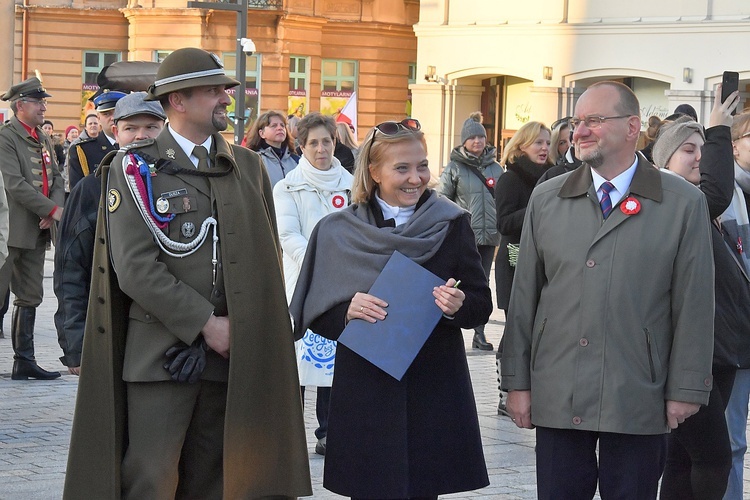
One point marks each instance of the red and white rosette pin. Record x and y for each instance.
(490, 182)
(338, 201)
(630, 206)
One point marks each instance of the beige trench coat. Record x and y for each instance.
(609, 319)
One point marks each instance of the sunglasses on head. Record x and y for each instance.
(392, 128)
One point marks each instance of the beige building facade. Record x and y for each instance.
(312, 53)
(521, 61)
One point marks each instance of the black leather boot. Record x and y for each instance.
(480, 341)
(22, 336)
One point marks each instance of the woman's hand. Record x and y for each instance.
(449, 298)
(367, 307)
(721, 113)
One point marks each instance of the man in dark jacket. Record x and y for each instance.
(134, 120)
(87, 154)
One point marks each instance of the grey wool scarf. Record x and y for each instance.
(347, 251)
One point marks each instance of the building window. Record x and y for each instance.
(339, 75)
(412, 73)
(298, 72)
(94, 62)
(160, 55)
(252, 68)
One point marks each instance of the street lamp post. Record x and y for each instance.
(240, 8)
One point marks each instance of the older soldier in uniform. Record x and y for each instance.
(87, 154)
(213, 406)
(35, 198)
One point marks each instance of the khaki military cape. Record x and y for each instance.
(265, 452)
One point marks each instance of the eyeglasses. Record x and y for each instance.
(746, 134)
(42, 102)
(594, 121)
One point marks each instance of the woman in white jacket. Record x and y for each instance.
(317, 187)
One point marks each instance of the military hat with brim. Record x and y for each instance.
(28, 88)
(187, 68)
(107, 100)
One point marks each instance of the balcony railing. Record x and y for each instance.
(265, 4)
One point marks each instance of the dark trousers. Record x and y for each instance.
(629, 466)
(322, 403)
(487, 253)
(699, 456)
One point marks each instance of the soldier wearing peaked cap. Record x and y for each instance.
(35, 197)
(203, 344)
(86, 155)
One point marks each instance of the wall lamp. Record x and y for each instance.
(687, 75)
(431, 75)
(547, 72)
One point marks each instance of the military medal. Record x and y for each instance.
(188, 229)
(170, 153)
(162, 205)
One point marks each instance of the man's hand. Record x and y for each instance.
(519, 407)
(46, 223)
(678, 412)
(74, 370)
(216, 332)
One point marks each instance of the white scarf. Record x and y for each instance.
(330, 180)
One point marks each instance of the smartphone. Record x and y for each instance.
(730, 82)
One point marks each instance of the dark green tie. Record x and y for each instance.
(202, 154)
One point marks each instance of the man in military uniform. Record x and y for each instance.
(87, 154)
(134, 120)
(35, 198)
(213, 405)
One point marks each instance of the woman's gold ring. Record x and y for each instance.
(362, 309)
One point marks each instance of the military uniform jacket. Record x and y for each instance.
(264, 442)
(610, 318)
(85, 157)
(21, 160)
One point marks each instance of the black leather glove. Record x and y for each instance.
(187, 362)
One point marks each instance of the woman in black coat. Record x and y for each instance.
(526, 158)
(417, 437)
(699, 453)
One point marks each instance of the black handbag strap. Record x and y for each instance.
(476, 172)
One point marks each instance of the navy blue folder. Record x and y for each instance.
(392, 344)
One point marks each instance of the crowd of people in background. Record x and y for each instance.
(606, 237)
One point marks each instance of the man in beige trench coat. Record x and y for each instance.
(193, 241)
(610, 329)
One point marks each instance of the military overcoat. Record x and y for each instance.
(264, 442)
(21, 160)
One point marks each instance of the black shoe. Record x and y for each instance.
(24, 370)
(480, 342)
(320, 447)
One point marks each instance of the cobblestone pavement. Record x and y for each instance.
(35, 420)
